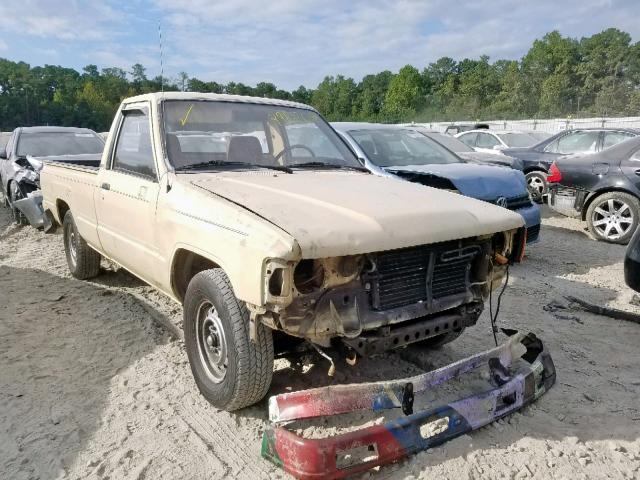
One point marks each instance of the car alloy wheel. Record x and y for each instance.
(536, 185)
(612, 219)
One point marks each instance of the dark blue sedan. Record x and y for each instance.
(396, 151)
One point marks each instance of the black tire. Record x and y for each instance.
(613, 217)
(83, 261)
(230, 370)
(16, 194)
(442, 339)
(537, 185)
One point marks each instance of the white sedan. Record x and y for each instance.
(489, 141)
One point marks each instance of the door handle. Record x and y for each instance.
(637, 172)
(105, 186)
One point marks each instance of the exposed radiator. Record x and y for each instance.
(411, 275)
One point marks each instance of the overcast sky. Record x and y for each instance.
(291, 42)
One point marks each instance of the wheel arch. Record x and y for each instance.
(535, 168)
(591, 197)
(185, 264)
(62, 208)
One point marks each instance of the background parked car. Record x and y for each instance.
(21, 159)
(464, 127)
(392, 150)
(538, 158)
(632, 262)
(494, 142)
(601, 188)
(467, 153)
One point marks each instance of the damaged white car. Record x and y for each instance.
(22, 158)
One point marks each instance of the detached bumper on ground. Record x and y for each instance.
(31, 207)
(514, 386)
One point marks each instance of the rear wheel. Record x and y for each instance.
(15, 194)
(613, 217)
(83, 261)
(230, 370)
(537, 185)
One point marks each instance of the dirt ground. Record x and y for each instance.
(94, 384)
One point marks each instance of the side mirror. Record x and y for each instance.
(3, 154)
(498, 147)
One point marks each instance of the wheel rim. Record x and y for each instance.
(536, 185)
(212, 344)
(612, 219)
(71, 244)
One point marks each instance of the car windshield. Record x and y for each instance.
(397, 147)
(518, 139)
(452, 143)
(44, 144)
(4, 139)
(218, 134)
(540, 136)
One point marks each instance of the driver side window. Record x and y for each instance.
(133, 154)
(575, 142)
(486, 140)
(469, 139)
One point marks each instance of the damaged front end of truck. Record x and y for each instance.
(378, 301)
(519, 371)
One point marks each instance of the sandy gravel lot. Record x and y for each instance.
(92, 385)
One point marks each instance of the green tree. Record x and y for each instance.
(404, 96)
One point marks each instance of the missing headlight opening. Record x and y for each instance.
(308, 276)
(276, 282)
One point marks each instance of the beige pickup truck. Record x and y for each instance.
(256, 217)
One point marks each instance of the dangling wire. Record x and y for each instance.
(494, 318)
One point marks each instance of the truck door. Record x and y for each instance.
(127, 194)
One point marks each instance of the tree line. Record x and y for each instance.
(559, 76)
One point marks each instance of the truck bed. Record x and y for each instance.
(90, 162)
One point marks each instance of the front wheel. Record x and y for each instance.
(537, 185)
(230, 370)
(613, 217)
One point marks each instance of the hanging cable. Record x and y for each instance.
(494, 318)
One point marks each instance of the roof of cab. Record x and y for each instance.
(54, 130)
(216, 97)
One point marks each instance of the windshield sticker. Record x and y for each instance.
(285, 117)
(185, 118)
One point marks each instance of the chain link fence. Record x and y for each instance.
(551, 125)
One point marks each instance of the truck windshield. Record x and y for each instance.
(44, 144)
(397, 147)
(208, 133)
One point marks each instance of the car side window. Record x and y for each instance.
(576, 142)
(469, 139)
(486, 140)
(612, 138)
(636, 156)
(133, 153)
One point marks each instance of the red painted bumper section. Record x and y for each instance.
(514, 386)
